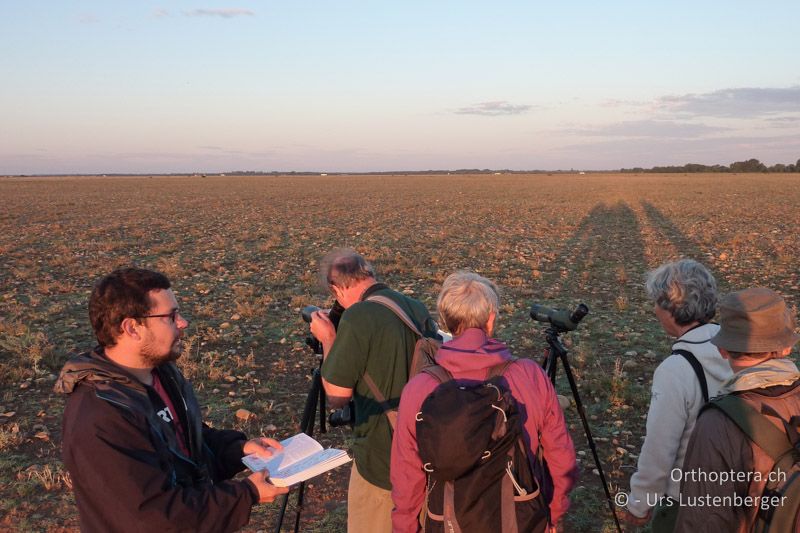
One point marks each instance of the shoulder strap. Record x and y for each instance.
(755, 425)
(500, 368)
(402, 315)
(391, 304)
(698, 370)
(440, 373)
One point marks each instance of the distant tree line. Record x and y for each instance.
(394, 172)
(751, 165)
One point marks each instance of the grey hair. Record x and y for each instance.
(466, 301)
(343, 268)
(686, 289)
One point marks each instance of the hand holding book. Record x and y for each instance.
(301, 458)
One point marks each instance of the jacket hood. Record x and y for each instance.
(769, 373)
(470, 351)
(96, 370)
(696, 341)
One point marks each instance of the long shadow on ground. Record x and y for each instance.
(602, 265)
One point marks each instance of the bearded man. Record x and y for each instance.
(133, 440)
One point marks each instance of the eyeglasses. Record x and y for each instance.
(172, 315)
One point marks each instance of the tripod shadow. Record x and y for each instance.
(671, 233)
(601, 264)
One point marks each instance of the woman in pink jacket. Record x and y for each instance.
(468, 306)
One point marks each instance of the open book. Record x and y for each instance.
(302, 458)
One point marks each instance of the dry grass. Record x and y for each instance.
(25, 353)
(242, 253)
(50, 478)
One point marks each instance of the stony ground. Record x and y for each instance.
(242, 253)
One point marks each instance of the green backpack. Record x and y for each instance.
(783, 447)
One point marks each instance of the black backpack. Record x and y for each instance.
(783, 447)
(470, 442)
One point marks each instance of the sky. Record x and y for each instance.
(355, 86)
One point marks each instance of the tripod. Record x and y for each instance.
(556, 351)
(316, 397)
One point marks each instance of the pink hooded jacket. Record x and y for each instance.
(468, 357)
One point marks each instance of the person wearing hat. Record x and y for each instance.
(722, 464)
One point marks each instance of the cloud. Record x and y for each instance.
(88, 18)
(735, 103)
(160, 13)
(613, 103)
(784, 121)
(226, 13)
(219, 150)
(493, 109)
(649, 129)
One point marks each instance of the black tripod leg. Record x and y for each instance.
(282, 512)
(582, 413)
(310, 409)
(300, 498)
(323, 410)
(316, 395)
(550, 366)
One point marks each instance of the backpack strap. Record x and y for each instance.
(402, 315)
(508, 512)
(439, 373)
(500, 368)
(385, 301)
(755, 426)
(698, 370)
(449, 509)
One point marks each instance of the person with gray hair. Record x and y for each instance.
(344, 267)
(468, 305)
(684, 294)
(366, 358)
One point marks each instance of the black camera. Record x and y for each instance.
(346, 415)
(311, 340)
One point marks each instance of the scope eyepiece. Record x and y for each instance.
(561, 319)
(577, 315)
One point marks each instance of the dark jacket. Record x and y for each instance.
(127, 471)
(717, 447)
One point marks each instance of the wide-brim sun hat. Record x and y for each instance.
(755, 320)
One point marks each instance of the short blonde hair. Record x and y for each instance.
(466, 301)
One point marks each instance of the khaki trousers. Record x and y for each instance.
(369, 508)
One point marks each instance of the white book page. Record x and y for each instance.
(309, 467)
(295, 449)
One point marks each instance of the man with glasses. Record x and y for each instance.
(134, 443)
(371, 344)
